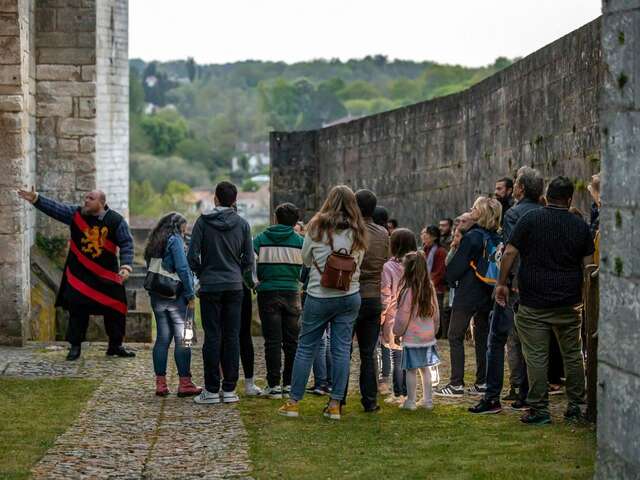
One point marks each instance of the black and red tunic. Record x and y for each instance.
(91, 281)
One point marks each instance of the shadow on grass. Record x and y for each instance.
(447, 443)
(32, 414)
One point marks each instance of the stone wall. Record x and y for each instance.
(112, 147)
(430, 160)
(619, 332)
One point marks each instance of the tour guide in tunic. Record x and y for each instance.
(92, 283)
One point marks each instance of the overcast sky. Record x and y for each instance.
(467, 32)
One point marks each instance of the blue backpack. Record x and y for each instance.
(487, 266)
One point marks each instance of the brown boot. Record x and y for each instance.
(162, 390)
(187, 388)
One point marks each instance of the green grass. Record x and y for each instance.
(447, 443)
(32, 414)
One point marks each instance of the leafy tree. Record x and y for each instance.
(165, 130)
(158, 171)
(359, 90)
(191, 69)
(249, 186)
(136, 93)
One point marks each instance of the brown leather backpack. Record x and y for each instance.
(338, 269)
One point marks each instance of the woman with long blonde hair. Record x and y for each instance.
(338, 228)
(473, 296)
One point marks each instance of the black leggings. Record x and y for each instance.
(246, 342)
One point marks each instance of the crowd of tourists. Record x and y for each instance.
(507, 273)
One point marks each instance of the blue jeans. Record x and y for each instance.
(340, 313)
(399, 374)
(500, 327)
(322, 362)
(170, 316)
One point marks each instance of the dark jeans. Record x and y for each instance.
(170, 316)
(279, 315)
(501, 327)
(367, 331)
(399, 374)
(458, 327)
(246, 342)
(114, 325)
(220, 312)
(445, 315)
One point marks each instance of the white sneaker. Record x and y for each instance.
(397, 400)
(206, 397)
(426, 405)
(251, 389)
(408, 405)
(274, 393)
(230, 397)
(286, 391)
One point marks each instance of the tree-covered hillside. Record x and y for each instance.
(189, 121)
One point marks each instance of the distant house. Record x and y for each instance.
(252, 206)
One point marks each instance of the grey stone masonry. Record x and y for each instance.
(432, 159)
(618, 331)
(63, 104)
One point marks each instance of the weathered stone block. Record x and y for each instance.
(67, 56)
(11, 146)
(88, 73)
(10, 122)
(88, 144)
(68, 145)
(56, 39)
(9, 24)
(7, 6)
(54, 106)
(87, 40)
(76, 20)
(618, 422)
(87, 107)
(67, 88)
(86, 181)
(11, 103)
(57, 181)
(58, 72)
(45, 20)
(612, 6)
(10, 245)
(10, 75)
(9, 50)
(70, 127)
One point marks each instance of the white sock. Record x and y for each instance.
(249, 382)
(412, 384)
(427, 389)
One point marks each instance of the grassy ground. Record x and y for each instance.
(32, 414)
(447, 443)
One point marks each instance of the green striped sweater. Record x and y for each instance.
(279, 258)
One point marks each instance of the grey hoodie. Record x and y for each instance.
(220, 250)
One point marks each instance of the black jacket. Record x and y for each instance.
(471, 293)
(220, 250)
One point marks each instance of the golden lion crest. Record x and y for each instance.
(93, 240)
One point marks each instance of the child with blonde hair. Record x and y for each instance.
(415, 326)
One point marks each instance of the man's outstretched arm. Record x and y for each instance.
(56, 210)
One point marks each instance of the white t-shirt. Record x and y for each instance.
(320, 251)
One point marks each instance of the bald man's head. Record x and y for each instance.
(94, 202)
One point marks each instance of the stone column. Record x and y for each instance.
(17, 155)
(619, 332)
(66, 103)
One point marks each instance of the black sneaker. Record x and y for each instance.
(512, 395)
(574, 414)
(449, 391)
(533, 417)
(120, 352)
(486, 406)
(520, 405)
(477, 390)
